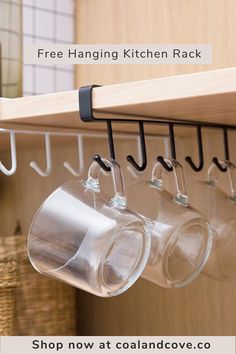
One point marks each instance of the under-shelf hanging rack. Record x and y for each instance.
(86, 115)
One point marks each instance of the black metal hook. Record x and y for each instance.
(200, 152)
(98, 158)
(172, 147)
(143, 151)
(215, 160)
(164, 164)
(219, 165)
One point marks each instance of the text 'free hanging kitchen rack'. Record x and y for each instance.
(86, 114)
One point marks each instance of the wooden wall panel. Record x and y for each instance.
(155, 22)
(206, 307)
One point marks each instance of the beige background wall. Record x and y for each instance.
(153, 22)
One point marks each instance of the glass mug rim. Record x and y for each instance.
(110, 203)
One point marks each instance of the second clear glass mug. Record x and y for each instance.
(180, 235)
(220, 209)
(86, 239)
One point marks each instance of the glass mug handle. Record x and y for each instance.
(231, 172)
(119, 199)
(157, 179)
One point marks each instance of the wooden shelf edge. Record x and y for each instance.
(205, 96)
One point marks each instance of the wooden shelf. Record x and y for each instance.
(206, 96)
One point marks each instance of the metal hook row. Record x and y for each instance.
(196, 167)
(86, 114)
(189, 160)
(42, 172)
(77, 172)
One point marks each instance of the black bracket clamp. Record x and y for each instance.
(86, 115)
(86, 103)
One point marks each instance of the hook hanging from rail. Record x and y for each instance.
(172, 147)
(86, 114)
(200, 152)
(12, 170)
(215, 160)
(67, 165)
(35, 166)
(98, 158)
(143, 151)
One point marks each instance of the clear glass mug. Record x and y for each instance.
(88, 240)
(180, 235)
(220, 209)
